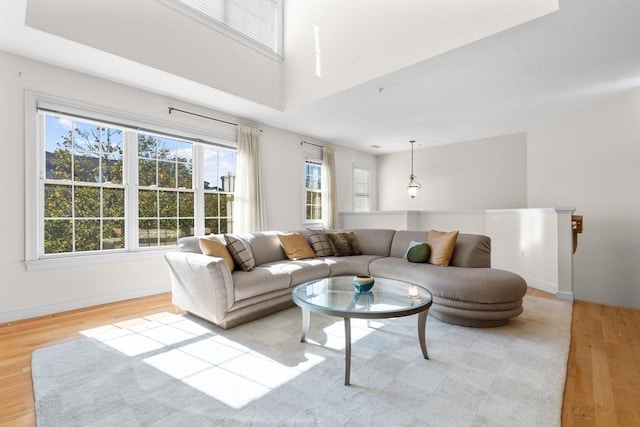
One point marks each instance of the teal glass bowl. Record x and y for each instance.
(363, 283)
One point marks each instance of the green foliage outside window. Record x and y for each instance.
(166, 198)
(83, 194)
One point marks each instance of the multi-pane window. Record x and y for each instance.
(219, 185)
(313, 190)
(165, 190)
(361, 191)
(84, 193)
(115, 188)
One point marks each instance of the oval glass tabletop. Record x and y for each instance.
(336, 296)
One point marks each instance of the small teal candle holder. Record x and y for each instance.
(363, 283)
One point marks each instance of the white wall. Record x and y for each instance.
(26, 294)
(331, 45)
(482, 174)
(591, 160)
(150, 33)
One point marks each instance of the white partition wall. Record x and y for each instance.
(535, 243)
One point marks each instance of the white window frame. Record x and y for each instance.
(366, 195)
(275, 52)
(35, 259)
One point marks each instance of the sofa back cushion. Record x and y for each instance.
(403, 238)
(265, 245)
(189, 244)
(471, 250)
(375, 241)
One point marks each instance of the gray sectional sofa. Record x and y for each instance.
(467, 292)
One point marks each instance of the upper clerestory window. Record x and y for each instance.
(257, 23)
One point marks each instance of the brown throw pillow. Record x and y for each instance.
(344, 244)
(442, 245)
(320, 242)
(215, 246)
(295, 246)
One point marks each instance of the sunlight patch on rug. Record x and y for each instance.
(217, 366)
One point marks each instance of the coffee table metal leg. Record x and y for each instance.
(305, 324)
(347, 350)
(422, 332)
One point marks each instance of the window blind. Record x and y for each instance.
(258, 20)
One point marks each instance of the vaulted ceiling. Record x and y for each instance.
(505, 77)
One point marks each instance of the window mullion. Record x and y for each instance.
(131, 190)
(198, 189)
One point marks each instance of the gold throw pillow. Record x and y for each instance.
(214, 246)
(442, 245)
(295, 246)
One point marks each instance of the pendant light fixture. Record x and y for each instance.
(413, 186)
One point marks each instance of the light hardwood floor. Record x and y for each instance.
(603, 374)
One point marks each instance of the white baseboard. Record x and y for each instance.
(43, 310)
(565, 296)
(552, 288)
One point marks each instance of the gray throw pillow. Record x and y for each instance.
(240, 252)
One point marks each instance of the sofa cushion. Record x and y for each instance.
(352, 265)
(478, 285)
(259, 281)
(472, 250)
(402, 239)
(319, 242)
(189, 244)
(265, 245)
(302, 270)
(375, 241)
(295, 246)
(442, 244)
(240, 252)
(344, 244)
(216, 246)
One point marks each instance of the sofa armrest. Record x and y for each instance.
(201, 284)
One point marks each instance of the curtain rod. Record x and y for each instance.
(204, 117)
(311, 143)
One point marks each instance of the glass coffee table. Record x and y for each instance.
(335, 296)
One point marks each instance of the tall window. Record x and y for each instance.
(84, 193)
(108, 187)
(361, 191)
(165, 190)
(313, 190)
(258, 22)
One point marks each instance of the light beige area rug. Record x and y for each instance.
(175, 370)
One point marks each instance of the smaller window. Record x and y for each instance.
(361, 190)
(313, 190)
(219, 186)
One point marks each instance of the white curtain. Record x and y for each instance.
(249, 212)
(329, 215)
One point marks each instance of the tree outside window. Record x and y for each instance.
(84, 195)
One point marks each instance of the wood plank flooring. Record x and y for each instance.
(603, 374)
